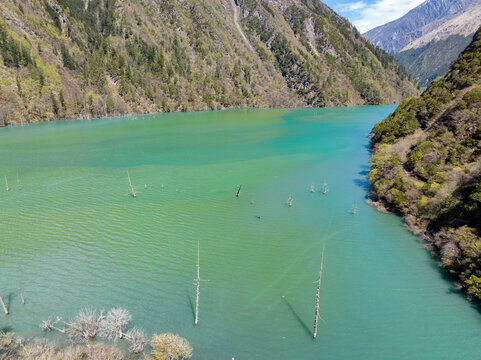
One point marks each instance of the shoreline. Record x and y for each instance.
(112, 116)
(427, 240)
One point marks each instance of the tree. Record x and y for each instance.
(474, 286)
(168, 346)
(88, 324)
(113, 325)
(136, 339)
(84, 327)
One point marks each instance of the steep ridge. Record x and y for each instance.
(430, 37)
(80, 58)
(434, 59)
(426, 166)
(425, 18)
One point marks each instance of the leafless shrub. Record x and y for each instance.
(89, 323)
(114, 323)
(6, 340)
(85, 326)
(51, 351)
(136, 339)
(39, 349)
(93, 351)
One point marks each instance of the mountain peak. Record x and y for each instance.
(396, 35)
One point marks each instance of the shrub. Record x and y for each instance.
(168, 346)
(473, 96)
(474, 286)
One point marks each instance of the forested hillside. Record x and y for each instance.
(92, 58)
(434, 59)
(426, 166)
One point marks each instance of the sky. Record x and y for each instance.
(367, 14)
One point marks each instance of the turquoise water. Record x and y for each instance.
(72, 237)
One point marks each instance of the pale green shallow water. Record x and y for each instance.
(73, 237)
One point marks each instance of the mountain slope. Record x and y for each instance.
(426, 166)
(432, 60)
(430, 37)
(70, 58)
(423, 20)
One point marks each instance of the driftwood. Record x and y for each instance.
(316, 316)
(48, 325)
(238, 191)
(3, 305)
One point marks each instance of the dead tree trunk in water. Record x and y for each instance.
(131, 187)
(3, 305)
(316, 316)
(238, 191)
(198, 285)
(324, 191)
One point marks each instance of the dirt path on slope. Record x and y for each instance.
(236, 22)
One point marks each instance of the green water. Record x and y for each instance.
(72, 236)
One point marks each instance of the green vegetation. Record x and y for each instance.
(432, 60)
(170, 347)
(323, 58)
(426, 166)
(64, 58)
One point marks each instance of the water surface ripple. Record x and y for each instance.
(73, 237)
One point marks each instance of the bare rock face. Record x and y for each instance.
(430, 37)
(424, 20)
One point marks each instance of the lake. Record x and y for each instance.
(72, 237)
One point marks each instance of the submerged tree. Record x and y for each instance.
(85, 326)
(136, 339)
(113, 325)
(89, 324)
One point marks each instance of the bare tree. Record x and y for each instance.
(136, 339)
(85, 326)
(132, 191)
(238, 191)
(198, 288)
(114, 323)
(3, 305)
(89, 323)
(316, 318)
